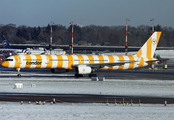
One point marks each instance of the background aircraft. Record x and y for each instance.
(7, 50)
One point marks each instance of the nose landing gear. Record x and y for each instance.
(19, 75)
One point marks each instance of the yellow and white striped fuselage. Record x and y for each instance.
(67, 61)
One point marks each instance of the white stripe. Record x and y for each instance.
(154, 37)
(126, 66)
(54, 62)
(116, 59)
(12, 63)
(23, 63)
(75, 58)
(85, 57)
(96, 59)
(65, 62)
(44, 60)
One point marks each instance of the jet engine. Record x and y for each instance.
(84, 70)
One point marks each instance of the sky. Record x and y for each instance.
(87, 12)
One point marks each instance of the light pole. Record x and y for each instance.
(72, 39)
(126, 47)
(51, 39)
(152, 25)
(72, 35)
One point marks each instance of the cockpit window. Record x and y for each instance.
(9, 59)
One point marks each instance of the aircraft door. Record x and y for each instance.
(47, 60)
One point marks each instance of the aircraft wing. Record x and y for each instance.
(101, 65)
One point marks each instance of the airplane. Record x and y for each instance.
(87, 64)
(8, 50)
(41, 50)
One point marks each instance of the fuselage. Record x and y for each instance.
(66, 61)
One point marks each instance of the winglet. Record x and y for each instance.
(148, 49)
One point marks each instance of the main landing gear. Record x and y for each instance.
(78, 75)
(92, 75)
(19, 75)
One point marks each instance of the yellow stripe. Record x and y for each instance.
(101, 59)
(111, 60)
(149, 48)
(131, 65)
(81, 60)
(91, 59)
(139, 53)
(28, 59)
(17, 61)
(121, 59)
(150, 63)
(60, 61)
(38, 59)
(141, 63)
(70, 61)
(49, 61)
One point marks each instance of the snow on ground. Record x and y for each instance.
(86, 111)
(78, 86)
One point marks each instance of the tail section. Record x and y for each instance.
(5, 43)
(148, 49)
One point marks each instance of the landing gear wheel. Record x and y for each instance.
(78, 75)
(92, 75)
(19, 75)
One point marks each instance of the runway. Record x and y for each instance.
(84, 98)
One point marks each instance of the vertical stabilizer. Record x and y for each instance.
(148, 49)
(5, 43)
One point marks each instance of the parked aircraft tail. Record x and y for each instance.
(5, 43)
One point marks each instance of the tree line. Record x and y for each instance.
(87, 35)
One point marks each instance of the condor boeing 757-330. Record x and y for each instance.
(86, 64)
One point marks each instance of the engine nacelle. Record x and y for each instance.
(59, 70)
(83, 70)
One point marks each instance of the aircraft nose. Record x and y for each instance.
(5, 64)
